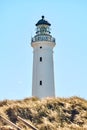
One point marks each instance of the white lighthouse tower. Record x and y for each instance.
(43, 68)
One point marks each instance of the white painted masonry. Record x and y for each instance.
(43, 68)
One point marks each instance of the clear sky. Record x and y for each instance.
(69, 26)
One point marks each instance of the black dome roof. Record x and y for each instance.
(42, 21)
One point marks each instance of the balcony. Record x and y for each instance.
(43, 38)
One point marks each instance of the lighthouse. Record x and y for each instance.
(43, 65)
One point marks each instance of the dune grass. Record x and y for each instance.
(47, 113)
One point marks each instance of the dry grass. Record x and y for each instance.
(48, 113)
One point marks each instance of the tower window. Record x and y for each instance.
(40, 82)
(40, 59)
(40, 47)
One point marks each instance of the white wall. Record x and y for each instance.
(43, 71)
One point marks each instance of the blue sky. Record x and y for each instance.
(69, 26)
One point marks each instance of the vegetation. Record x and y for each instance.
(47, 114)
